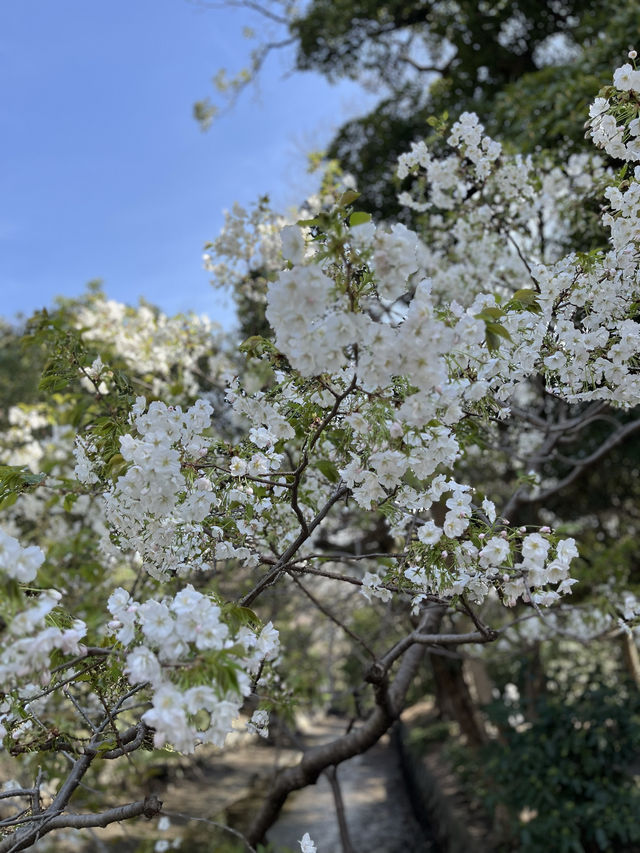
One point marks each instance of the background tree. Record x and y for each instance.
(528, 69)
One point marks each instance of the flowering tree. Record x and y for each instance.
(418, 393)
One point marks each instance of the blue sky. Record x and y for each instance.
(105, 174)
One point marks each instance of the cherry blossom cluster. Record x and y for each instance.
(173, 632)
(319, 330)
(615, 120)
(33, 627)
(27, 647)
(248, 241)
(153, 343)
(594, 340)
(152, 510)
(473, 554)
(319, 324)
(19, 563)
(485, 212)
(514, 567)
(325, 325)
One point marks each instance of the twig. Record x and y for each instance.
(78, 708)
(272, 576)
(244, 4)
(332, 617)
(91, 651)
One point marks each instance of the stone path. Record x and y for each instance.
(378, 810)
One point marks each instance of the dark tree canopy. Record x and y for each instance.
(529, 68)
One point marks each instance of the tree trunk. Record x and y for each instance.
(631, 657)
(535, 682)
(454, 700)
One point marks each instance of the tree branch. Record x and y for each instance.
(222, 826)
(345, 839)
(389, 705)
(272, 576)
(581, 466)
(20, 840)
(128, 741)
(53, 818)
(244, 4)
(383, 665)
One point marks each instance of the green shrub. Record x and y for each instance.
(565, 777)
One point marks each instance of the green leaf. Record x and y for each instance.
(497, 329)
(115, 467)
(493, 335)
(53, 383)
(30, 479)
(526, 296)
(237, 615)
(256, 346)
(359, 217)
(490, 313)
(5, 503)
(14, 480)
(328, 469)
(527, 299)
(69, 501)
(347, 198)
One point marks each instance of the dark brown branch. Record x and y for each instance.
(384, 664)
(522, 258)
(272, 576)
(307, 570)
(78, 707)
(15, 819)
(388, 708)
(345, 839)
(295, 506)
(343, 556)
(428, 69)
(90, 651)
(17, 792)
(36, 805)
(149, 807)
(62, 683)
(128, 741)
(617, 437)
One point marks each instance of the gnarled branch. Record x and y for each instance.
(389, 704)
